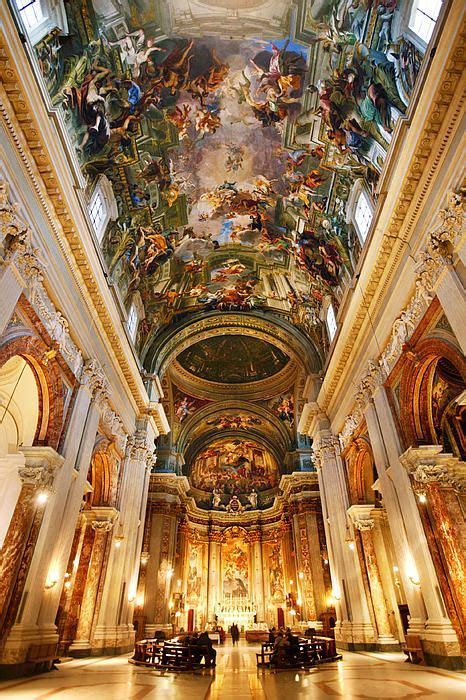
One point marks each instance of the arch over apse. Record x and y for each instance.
(430, 384)
(48, 382)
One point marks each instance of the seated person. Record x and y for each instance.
(279, 650)
(272, 635)
(210, 654)
(310, 632)
(293, 644)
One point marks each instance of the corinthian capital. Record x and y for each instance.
(40, 476)
(325, 447)
(138, 447)
(102, 525)
(94, 377)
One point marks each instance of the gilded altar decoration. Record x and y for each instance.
(235, 570)
(276, 580)
(234, 468)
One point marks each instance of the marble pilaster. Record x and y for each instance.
(364, 523)
(101, 525)
(439, 637)
(354, 629)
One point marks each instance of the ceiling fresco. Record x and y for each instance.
(231, 137)
(237, 467)
(232, 359)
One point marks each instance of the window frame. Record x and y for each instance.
(53, 16)
(332, 327)
(132, 318)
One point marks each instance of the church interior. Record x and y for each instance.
(232, 336)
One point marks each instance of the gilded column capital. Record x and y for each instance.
(102, 526)
(325, 447)
(94, 377)
(361, 516)
(40, 476)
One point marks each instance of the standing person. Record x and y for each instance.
(234, 631)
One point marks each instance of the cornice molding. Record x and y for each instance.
(438, 131)
(21, 119)
(440, 244)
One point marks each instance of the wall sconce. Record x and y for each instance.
(415, 580)
(351, 545)
(118, 539)
(67, 585)
(177, 614)
(422, 498)
(299, 602)
(301, 575)
(131, 598)
(140, 600)
(170, 573)
(292, 612)
(51, 581)
(42, 498)
(171, 605)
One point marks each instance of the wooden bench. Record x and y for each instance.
(308, 652)
(413, 650)
(265, 654)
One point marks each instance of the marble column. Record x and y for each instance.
(214, 591)
(101, 526)
(19, 558)
(160, 569)
(114, 631)
(10, 488)
(354, 628)
(303, 566)
(439, 638)
(77, 451)
(404, 558)
(255, 538)
(316, 560)
(364, 523)
(452, 296)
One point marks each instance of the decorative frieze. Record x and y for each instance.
(94, 377)
(437, 253)
(428, 465)
(16, 248)
(40, 476)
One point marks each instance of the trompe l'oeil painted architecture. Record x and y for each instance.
(232, 323)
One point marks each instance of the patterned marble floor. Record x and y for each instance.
(372, 676)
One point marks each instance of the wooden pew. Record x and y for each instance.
(413, 650)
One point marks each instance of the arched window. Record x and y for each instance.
(102, 206)
(31, 13)
(363, 215)
(40, 17)
(331, 322)
(132, 322)
(424, 14)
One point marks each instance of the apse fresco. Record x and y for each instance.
(235, 574)
(233, 467)
(230, 160)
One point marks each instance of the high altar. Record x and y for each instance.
(203, 568)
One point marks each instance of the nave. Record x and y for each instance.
(359, 675)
